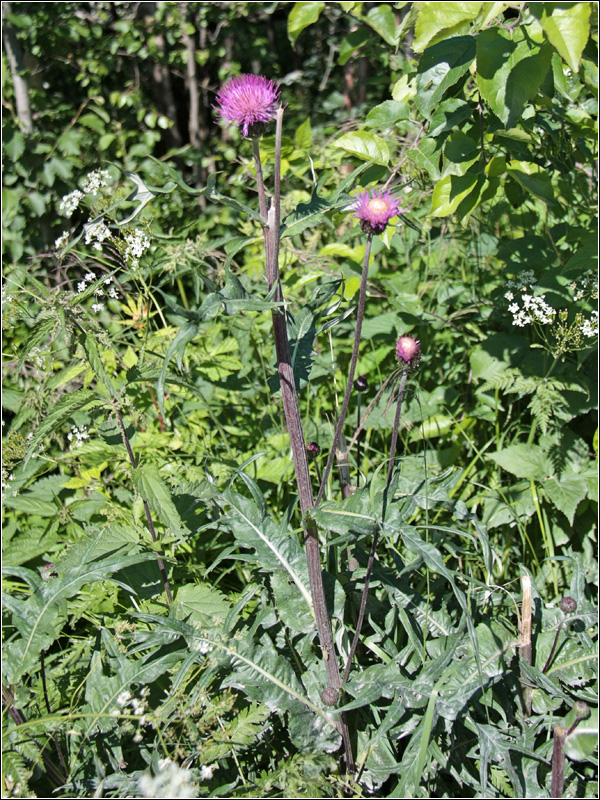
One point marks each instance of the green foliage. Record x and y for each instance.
(139, 379)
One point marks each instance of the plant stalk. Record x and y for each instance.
(294, 423)
(363, 600)
(354, 359)
(133, 462)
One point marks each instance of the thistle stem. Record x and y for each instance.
(296, 433)
(363, 600)
(359, 320)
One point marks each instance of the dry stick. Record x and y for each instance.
(133, 462)
(354, 359)
(363, 601)
(525, 642)
(294, 423)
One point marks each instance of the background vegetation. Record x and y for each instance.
(135, 310)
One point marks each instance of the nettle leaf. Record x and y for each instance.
(366, 146)
(61, 413)
(151, 487)
(440, 67)
(40, 618)
(201, 605)
(567, 26)
(523, 460)
(511, 67)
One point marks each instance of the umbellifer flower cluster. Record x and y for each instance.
(250, 102)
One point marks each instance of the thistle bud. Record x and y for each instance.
(330, 696)
(568, 605)
(361, 384)
(313, 449)
(408, 352)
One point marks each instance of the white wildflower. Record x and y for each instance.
(70, 202)
(96, 233)
(61, 241)
(589, 327)
(173, 782)
(94, 181)
(123, 698)
(137, 244)
(90, 276)
(206, 771)
(97, 307)
(81, 286)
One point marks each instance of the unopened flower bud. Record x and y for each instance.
(408, 352)
(361, 384)
(581, 709)
(313, 449)
(330, 696)
(568, 605)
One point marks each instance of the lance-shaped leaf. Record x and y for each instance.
(276, 549)
(40, 618)
(152, 488)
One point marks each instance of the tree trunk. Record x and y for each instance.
(15, 61)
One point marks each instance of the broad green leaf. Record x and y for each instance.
(580, 744)
(427, 157)
(152, 488)
(523, 460)
(301, 16)
(448, 115)
(201, 604)
(440, 67)
(366, 146)
(510, 70)
(441, 18)
(303, 136)
(566, 491)
(449, 193)
(387, 114)
(567, 26)
(532, 177)
(381, 19)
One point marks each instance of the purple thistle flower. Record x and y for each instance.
(250, 102)
(375, 210)
(408, 352)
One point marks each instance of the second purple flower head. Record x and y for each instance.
(250, 102)
(375, 210)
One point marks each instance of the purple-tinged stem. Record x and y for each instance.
(296, 433)
(344, 409)
(363, 600)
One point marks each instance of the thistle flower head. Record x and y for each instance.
(408, 352)
(250, 102)
(375, 210)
